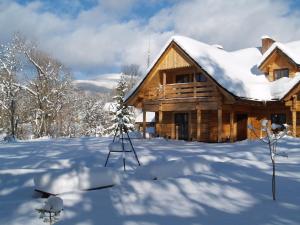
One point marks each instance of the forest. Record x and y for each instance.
(38, 97)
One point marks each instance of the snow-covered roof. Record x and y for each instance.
(281, 87)
(235, 71)
(291, 49)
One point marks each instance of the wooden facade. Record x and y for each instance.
(190, 105)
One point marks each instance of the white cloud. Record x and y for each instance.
(234, 24)
(100, 37)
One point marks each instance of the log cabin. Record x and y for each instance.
(204, 93)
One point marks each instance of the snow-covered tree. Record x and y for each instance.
(9, 87)
(122, 113)
(131, 73)
(94, 119)
(51, 210)
(52, 84)
(273, 133)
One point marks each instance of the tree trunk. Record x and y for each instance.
(12, 118)
(273, 181)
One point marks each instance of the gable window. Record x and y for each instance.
(281, 73)
(184, 78)
(200, 77)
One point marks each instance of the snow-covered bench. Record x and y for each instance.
(55, 182)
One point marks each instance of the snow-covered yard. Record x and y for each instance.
(212, 184)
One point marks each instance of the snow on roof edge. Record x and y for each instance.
(137, 85)
(173, 38)
(281, 47)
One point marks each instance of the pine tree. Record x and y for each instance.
(122, 112)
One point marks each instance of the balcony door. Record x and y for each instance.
(181, 126)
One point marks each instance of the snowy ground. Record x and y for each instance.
(232, 187)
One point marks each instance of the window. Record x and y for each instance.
(281, 73)
(185, 78)
(201, 77)
(278, 118)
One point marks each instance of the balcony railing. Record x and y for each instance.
(182, 90)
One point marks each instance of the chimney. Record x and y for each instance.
(266, 43)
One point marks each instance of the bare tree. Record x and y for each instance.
(132, 73)
(273, 134)
(9, 87)
(51, 86)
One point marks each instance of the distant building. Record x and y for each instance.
(150, 122)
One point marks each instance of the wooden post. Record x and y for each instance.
(160, 117)
(198, 124)
(164, 84)
(294, 123)
(231, 126)
(220, 125)
(190, 125)
(173, 132)
(294, 115)
(144, 123)
(194, 84)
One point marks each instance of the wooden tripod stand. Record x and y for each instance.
(115, 145)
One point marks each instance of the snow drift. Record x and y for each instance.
(62, 181)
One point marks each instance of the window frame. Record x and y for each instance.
(183, 76)
(200, 75)
(280, 70)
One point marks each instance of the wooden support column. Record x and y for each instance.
(294, 122)
(198, 124)
(144, 123)
(164, 84)
(220, 125)
(160, 117)
(194, 86)
(294, 115)
(173, 127)
(232, 126)
(190, 125)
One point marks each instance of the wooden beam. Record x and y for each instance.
(144, 123)
(294, 115)
(294, 123)
(219, 125)
(232, 126)
(173, 126)
(164, 84)
(198, 124)
(160, 118)
(190, 125)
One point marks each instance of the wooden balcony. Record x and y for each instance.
(182, 90)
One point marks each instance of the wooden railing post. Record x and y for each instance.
(164, 84)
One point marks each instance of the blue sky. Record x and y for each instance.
(144, 9)
(95, 37)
